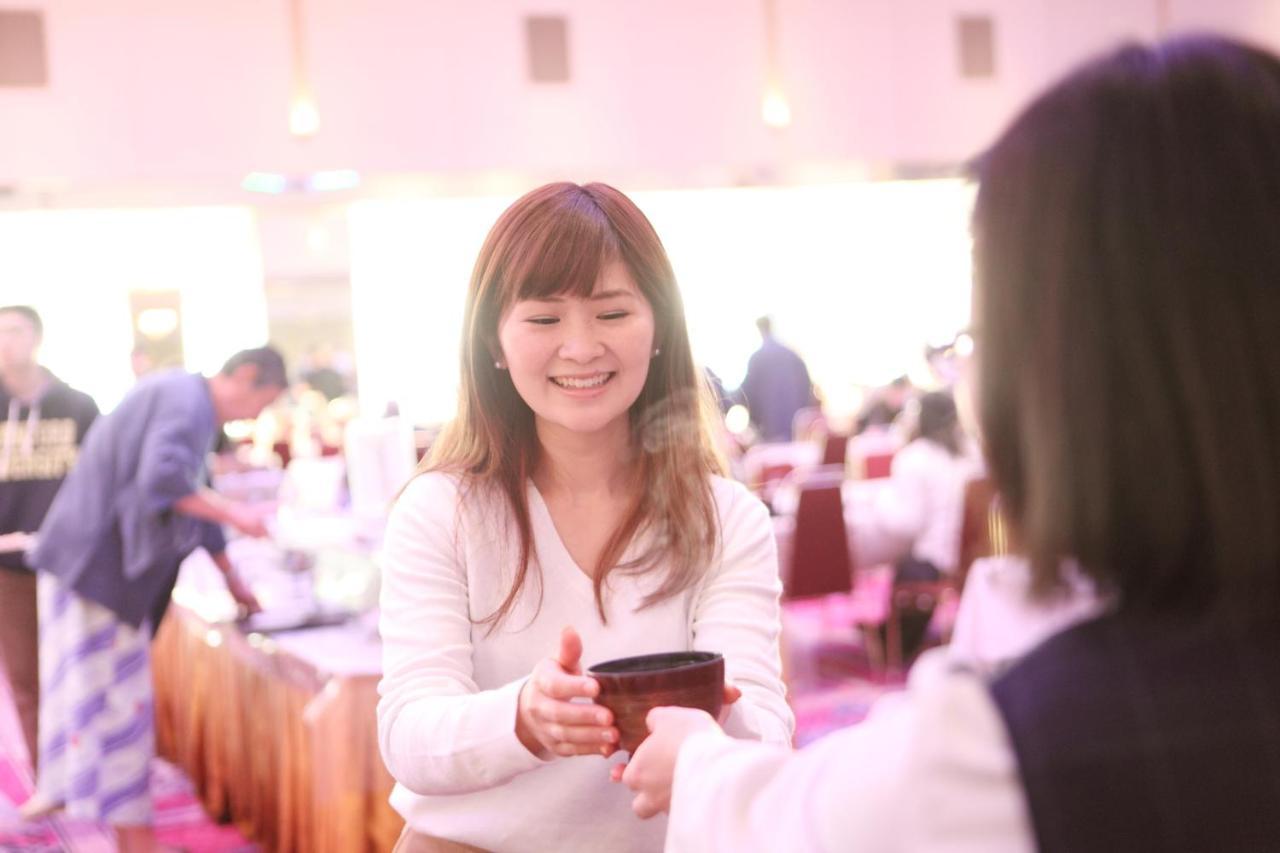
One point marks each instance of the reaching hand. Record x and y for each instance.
(731, 694)
(548, 723)
(249, 521)
(241, 593)
(651, 771)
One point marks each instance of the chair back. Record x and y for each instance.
(835, 448)
(820, 563)
(983, 532)
(877, 465)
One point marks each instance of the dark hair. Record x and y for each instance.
(938, 422)
(1127, 293)
(28, 312)
(556, 240)
(270, 364)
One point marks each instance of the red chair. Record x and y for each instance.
(983, 532)
(835, 448)
(820, 563)
(819, 583)
(877, 465)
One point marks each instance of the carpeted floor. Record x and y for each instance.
(180, 821)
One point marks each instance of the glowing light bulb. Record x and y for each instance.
(775, 110)
(304, 117)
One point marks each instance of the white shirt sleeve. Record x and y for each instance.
(930, 769)
(736, 612)
(438, 732)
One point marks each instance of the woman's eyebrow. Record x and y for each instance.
(611, 294)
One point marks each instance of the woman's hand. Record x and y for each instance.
(548, 723)
(652, 769)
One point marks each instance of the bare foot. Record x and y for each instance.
(37, 807)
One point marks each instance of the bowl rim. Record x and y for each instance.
(705, 658)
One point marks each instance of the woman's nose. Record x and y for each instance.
(581, 345)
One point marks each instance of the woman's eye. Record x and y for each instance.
(543, 321)
(614, 315)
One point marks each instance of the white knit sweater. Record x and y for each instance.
(446, 719)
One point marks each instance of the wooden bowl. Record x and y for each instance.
(632, 687)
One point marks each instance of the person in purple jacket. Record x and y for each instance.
(107, 556)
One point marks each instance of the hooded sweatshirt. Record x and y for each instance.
(39, 442)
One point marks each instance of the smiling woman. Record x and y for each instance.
(580, 363)
(574, 505)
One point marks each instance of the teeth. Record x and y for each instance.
(593, 382)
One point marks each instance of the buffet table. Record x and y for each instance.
(276, 730)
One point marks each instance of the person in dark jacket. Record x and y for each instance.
(108, 554)
(42, 423)
(777, 385)
(1128, 387)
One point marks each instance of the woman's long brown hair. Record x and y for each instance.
(555, 241)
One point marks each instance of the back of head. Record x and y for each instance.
(939, 422)
(269, 363)
(1126, 299)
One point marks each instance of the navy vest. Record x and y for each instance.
(1138, 734)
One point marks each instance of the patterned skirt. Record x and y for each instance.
(97, 729)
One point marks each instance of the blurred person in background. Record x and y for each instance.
(922, 505)
(777, 385)
(1126, 299)
(321, 374)
(42, 423)
(574, 508)
(108, 554)
(885, 405)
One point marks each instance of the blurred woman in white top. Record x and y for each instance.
(572, 513)
(923, 504)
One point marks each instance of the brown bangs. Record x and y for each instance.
(562, 255)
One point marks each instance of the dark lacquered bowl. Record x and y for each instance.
(632, 687)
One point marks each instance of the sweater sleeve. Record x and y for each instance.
(737, 613)
(438, 732)
(928, 770)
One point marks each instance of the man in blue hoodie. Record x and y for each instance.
(42, 422)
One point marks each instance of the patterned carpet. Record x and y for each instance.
(180, 821)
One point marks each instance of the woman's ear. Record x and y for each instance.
(495, 354)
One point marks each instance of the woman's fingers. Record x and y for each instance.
(571, 714)
(570, 654)
(557, 685)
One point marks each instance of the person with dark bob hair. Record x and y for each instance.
(1126, 298)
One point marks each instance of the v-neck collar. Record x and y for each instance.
(560, 551)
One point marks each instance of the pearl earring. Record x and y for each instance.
(498, 364)
(656, 350)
